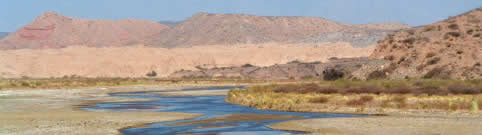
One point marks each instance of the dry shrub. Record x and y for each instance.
(400, 90)
(433, 61)
(453, 26)
(309, 88)
(319, 100)
(453, 34)
(326, 90)
(332, 74)
(395, 102)
(431, 90)
(376, 75)
(430, 55)
(476, 35)
(462, 89)
(437, 73)
(410, 40)
(286, 88)
(360, 102)
(367, 88)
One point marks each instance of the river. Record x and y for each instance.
(219, 117)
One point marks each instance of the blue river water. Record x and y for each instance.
(210, 106)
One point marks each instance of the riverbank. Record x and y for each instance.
(56, 111)
(386, 125)
(404, 111)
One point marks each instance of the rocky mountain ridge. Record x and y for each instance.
(230, 29)
(451, 48)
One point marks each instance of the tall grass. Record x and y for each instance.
(71, 82)
(424, 94)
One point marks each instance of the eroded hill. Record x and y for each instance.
(51, 30)
(230, 29)
(448, 49)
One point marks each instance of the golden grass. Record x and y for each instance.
(272, 98)
(43, 83)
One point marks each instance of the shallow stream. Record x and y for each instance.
(219, 117)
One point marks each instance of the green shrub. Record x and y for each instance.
(332, 74)
(247, 65)
(151, 74)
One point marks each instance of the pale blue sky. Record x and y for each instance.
(16, 13)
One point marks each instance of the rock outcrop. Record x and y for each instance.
(448, 49)
(291, 70)
(51, 30)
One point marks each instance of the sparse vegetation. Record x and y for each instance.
(460, 52)
(294, 62)
(78, 82)
(360, 102)
(453, 34)
(390, 58)
(437, 73)
(151, 74)
(424, 94)
(433, 61)
(410, 40)
(476, 35)
(320, 100)
(332, 74)
(247, 65)
(430, 55)
(453, 26)
(377, 75)
(470, 31)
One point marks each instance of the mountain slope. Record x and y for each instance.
(448, 49)
(229, 29)
(3, 34)
(169, 23)
(51, 30)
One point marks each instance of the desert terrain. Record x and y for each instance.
(240, 73)
(137, 61)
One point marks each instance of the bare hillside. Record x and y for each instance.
(51, 30)
(136, 61)
(230, 29)
(448, 49)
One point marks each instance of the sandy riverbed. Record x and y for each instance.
(387, 125)
(32, 112)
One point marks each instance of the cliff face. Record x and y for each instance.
(448, 49)
(51, 30)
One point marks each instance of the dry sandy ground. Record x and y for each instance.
(32, 112)
(136, 61)
(387, 125)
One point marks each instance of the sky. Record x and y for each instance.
(16, 13)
